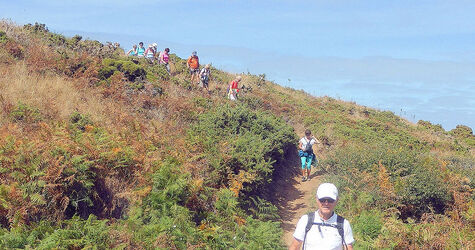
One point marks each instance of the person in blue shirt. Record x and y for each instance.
(133, 51)
(141, 50)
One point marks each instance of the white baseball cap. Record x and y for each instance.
(327, 190)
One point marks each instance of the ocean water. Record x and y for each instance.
(442, 92)
(445, 104)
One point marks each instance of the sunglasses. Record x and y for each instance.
(329, 200)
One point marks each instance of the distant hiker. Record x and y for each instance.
(193, 64)
(306, 153)
(233, 89)
(150, 52)
(140, 50)
(133, 51)
(205, 75)
(323, 229)
(164, 58)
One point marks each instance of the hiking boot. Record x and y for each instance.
(303, 178)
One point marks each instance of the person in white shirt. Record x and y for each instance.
(323, 229)
(306, 153)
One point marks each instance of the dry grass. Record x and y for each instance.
(54, 96)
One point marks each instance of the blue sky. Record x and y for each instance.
(415, 58)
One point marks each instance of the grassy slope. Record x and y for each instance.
(77, 142)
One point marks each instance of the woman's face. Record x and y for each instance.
(308, 136)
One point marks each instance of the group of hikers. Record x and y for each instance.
(321, 229)
(151, 53)
(201, 77)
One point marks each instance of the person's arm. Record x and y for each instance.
(296, 245)
(160, 58)
(350, 247)
(316, 140)
(128, 52)
(301, 145)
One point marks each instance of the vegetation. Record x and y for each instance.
(98, 150)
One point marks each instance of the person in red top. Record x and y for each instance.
(233, 89)
(193, 64)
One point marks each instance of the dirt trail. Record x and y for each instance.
(294, 199)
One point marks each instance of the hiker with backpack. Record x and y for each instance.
(306, 153)
(323, 229)
(193, 64)
(205, 75)
(233, 89)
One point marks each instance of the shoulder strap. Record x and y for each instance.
(339, 223)
(311, 217)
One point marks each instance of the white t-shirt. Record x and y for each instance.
(304, 142)
(328, 238)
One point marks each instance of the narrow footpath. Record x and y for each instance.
(295, 198)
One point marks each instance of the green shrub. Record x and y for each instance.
(462, 131)
(3, 37)
(106, 72)
(368, 224)
(237, 139)
(77, 233)
(78, 122)
(80, 189)
(415, 180)
(68, 234)
(162, 213)
(180, 64)
(429, 125)
(37, 27)
(260, 235)
(425, 190)
(130, 69)
(26, 113)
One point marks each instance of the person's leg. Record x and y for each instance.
(308, 166)
(303, 159)
(195, 76)
(167, 66)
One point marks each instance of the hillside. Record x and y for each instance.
(107, 151)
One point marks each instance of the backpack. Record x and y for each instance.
(205, 75)
(339, 226)
(194, 62)
(308, 147)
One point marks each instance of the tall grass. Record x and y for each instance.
(56, 97)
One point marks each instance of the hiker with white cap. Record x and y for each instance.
(323, 229)
(205, 75)
(233, 89)
(150, 52)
